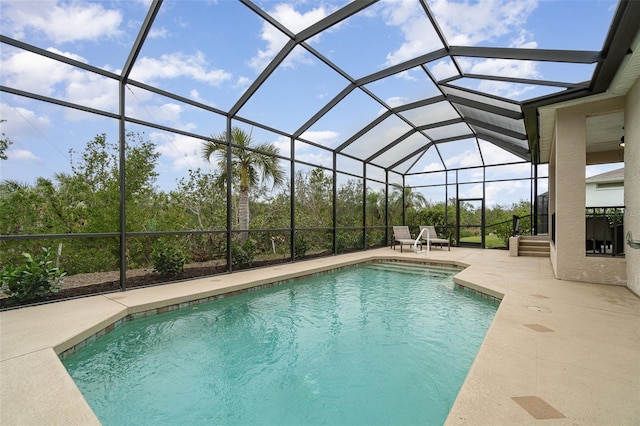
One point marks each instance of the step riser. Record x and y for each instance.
(533, 254)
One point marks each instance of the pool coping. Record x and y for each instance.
(463, 286)
(32, 338)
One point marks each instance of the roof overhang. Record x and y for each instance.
(613, 78)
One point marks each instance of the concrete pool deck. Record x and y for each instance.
(557, 352)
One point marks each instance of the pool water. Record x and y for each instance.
(370, 344)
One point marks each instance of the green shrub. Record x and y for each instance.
(347, 240)
(301, 247)
(503, 232)
(34, 279)
(168, 261)
(242, 254)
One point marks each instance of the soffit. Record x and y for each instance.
(603, 130)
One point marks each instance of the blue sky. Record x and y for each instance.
(211, 52)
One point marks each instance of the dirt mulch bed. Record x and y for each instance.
(105, 282)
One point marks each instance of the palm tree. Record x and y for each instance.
(248, 167)
(412, 199)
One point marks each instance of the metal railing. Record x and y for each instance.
(604, 231)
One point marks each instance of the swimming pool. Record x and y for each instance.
(371, 344)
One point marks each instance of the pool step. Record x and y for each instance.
(413, 269)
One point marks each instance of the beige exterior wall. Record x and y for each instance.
(632, 182)
(553, 254)
(567, 176)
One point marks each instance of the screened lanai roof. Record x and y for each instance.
(408, 86)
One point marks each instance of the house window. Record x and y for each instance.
(609, 185)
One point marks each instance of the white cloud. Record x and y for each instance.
(177, 64)
(284, 145)
(195, 95)
(432, 167)
(493, 154)
(38, 74)
(327, 138)
(296, 21)
(309, 153)
(396, 101)
(158, 33)
(316, 158)
(62, 22)
(502, 68)
(24, 155)
(523, 41)
(472, 191)
(92, 90)
(419, 36)
(242, 83)
(182, 152)
(466, 23)
(165, 113)
(275, 39)
(464, 159)
(505, 194)
(444, 69)
(22, 122)
(35, 73)
(408, 75)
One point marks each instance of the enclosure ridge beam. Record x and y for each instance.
(364, 130)
(391, 145)
(318, 115)
(270, 19)
(455, 138)
(418, 104)
(262, 77)
(542, 55)
(404, 66)
(140, 39)
(406, 157)
(441, 124)
(334, 18)
(523, 81)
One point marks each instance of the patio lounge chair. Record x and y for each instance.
(402, 236)
(433, 237)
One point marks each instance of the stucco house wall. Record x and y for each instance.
(632, 178)
(569, 159)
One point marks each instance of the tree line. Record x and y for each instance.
(86, 200)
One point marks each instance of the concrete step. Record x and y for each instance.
(534, 246)
(534, 243)
(535, 237)
(533, 253)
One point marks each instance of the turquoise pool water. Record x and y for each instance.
(365, 345)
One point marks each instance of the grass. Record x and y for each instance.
(490, 241)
